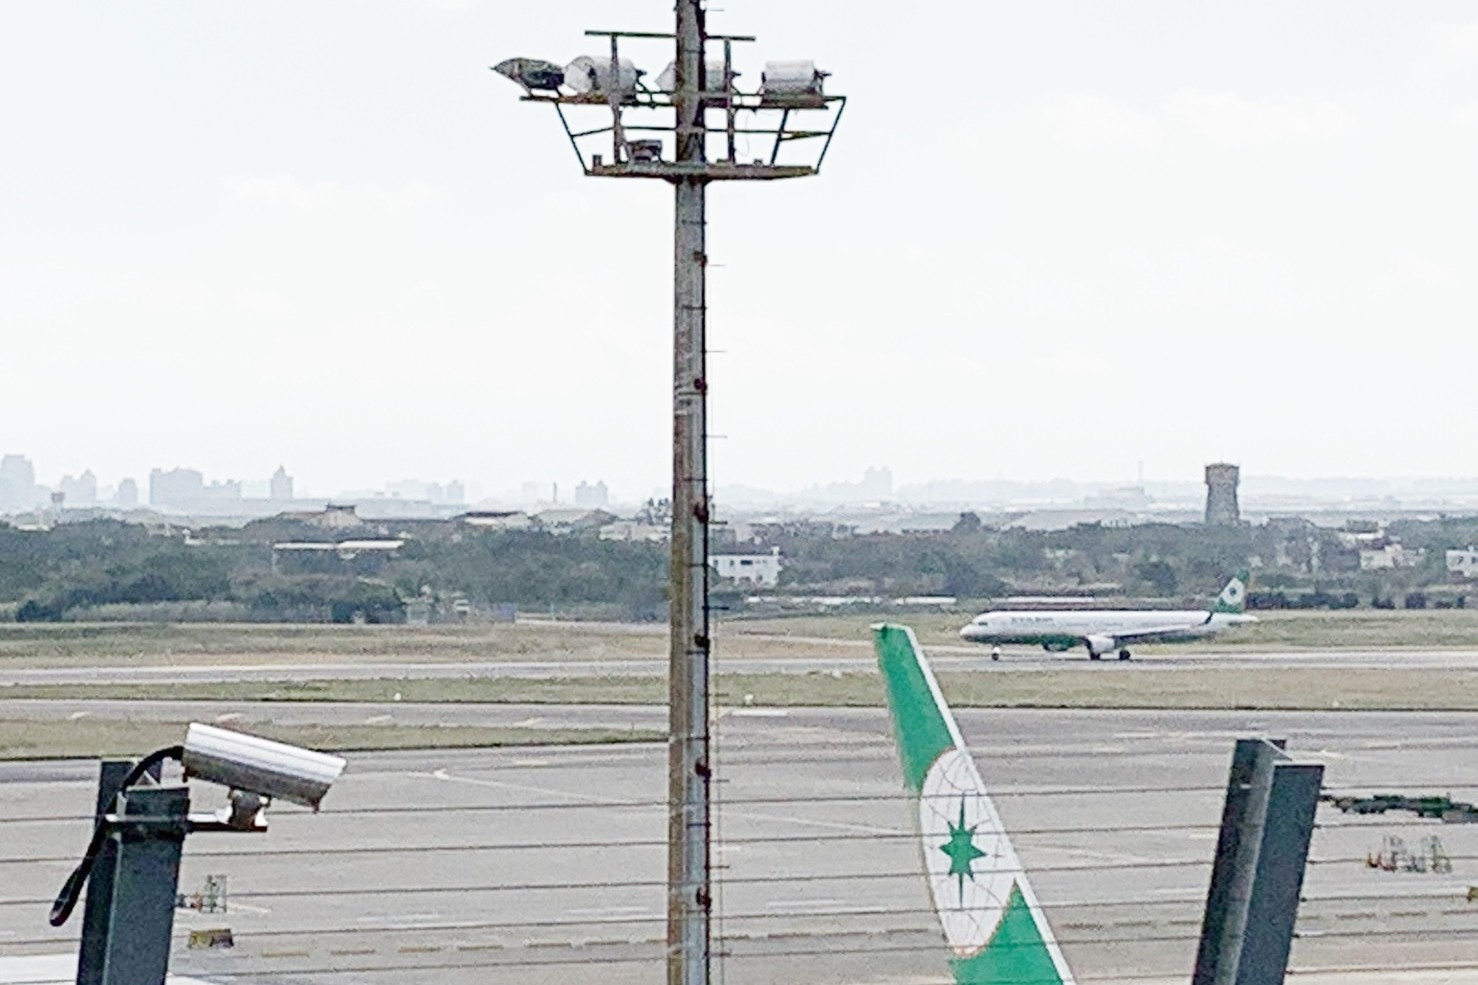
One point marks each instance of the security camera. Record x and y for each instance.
(257, 771)
(273, 770)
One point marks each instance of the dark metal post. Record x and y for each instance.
(689, 899)
(1268, 938)
(1232, 873)
(98, 906)
(149, 840)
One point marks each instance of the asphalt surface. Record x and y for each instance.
(546, 865)
(944, 658)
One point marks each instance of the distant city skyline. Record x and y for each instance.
(1167, 232)
(182, 488)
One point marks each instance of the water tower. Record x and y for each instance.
(1221, 495)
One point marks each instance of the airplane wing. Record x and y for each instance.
(992, 921)
(1154, 634)
(1170, 632)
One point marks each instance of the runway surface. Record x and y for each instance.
(944, 658)
(546, 865)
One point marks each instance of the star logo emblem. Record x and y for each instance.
(962, 851)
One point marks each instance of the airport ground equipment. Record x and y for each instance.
(211, 897)
(1394, 856)
(1434, 807)
(660, 130)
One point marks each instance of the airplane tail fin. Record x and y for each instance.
(1233, 597)
(990, 916)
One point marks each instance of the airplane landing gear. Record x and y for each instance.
(1124, 654)
(1094, 655)
(995, 653)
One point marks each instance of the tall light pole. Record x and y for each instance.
(676, 150)
(689, 767)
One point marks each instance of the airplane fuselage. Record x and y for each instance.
(1061, 630)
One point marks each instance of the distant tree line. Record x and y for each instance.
(77, 568)
(81, 570)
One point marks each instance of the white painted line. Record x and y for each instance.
(778, 904)
(447, 777)
(829, 825)
(408, 916)
(247, 907)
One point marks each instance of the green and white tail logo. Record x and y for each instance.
(1233, 598)
(972, 869)
(991, 920)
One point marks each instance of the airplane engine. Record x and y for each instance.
(1098, 645)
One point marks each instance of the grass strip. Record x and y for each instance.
(34, 644)
(1106, 686)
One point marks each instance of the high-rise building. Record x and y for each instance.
(877, 483)
(1221, 495)
(81, 491)
(594, 497)
(175, 487)
(17, 484)
(281, 485)
(127, 496)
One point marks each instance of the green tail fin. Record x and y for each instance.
(1233, 597)
(991, 918)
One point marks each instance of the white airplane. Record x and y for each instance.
(1105, 630)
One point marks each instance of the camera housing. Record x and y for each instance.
(273, 770)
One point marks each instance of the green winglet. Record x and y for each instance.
(922, 725)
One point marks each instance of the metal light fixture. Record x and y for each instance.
(763, 122)
(714, 71)
(533, 74)
(591, 75)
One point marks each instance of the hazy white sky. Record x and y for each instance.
(1053, 238)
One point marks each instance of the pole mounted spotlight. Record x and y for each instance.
(759, 126)
(531, 73)
(695, 126)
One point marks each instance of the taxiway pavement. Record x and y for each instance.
(546, 865)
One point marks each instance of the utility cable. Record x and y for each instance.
(71, 892)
